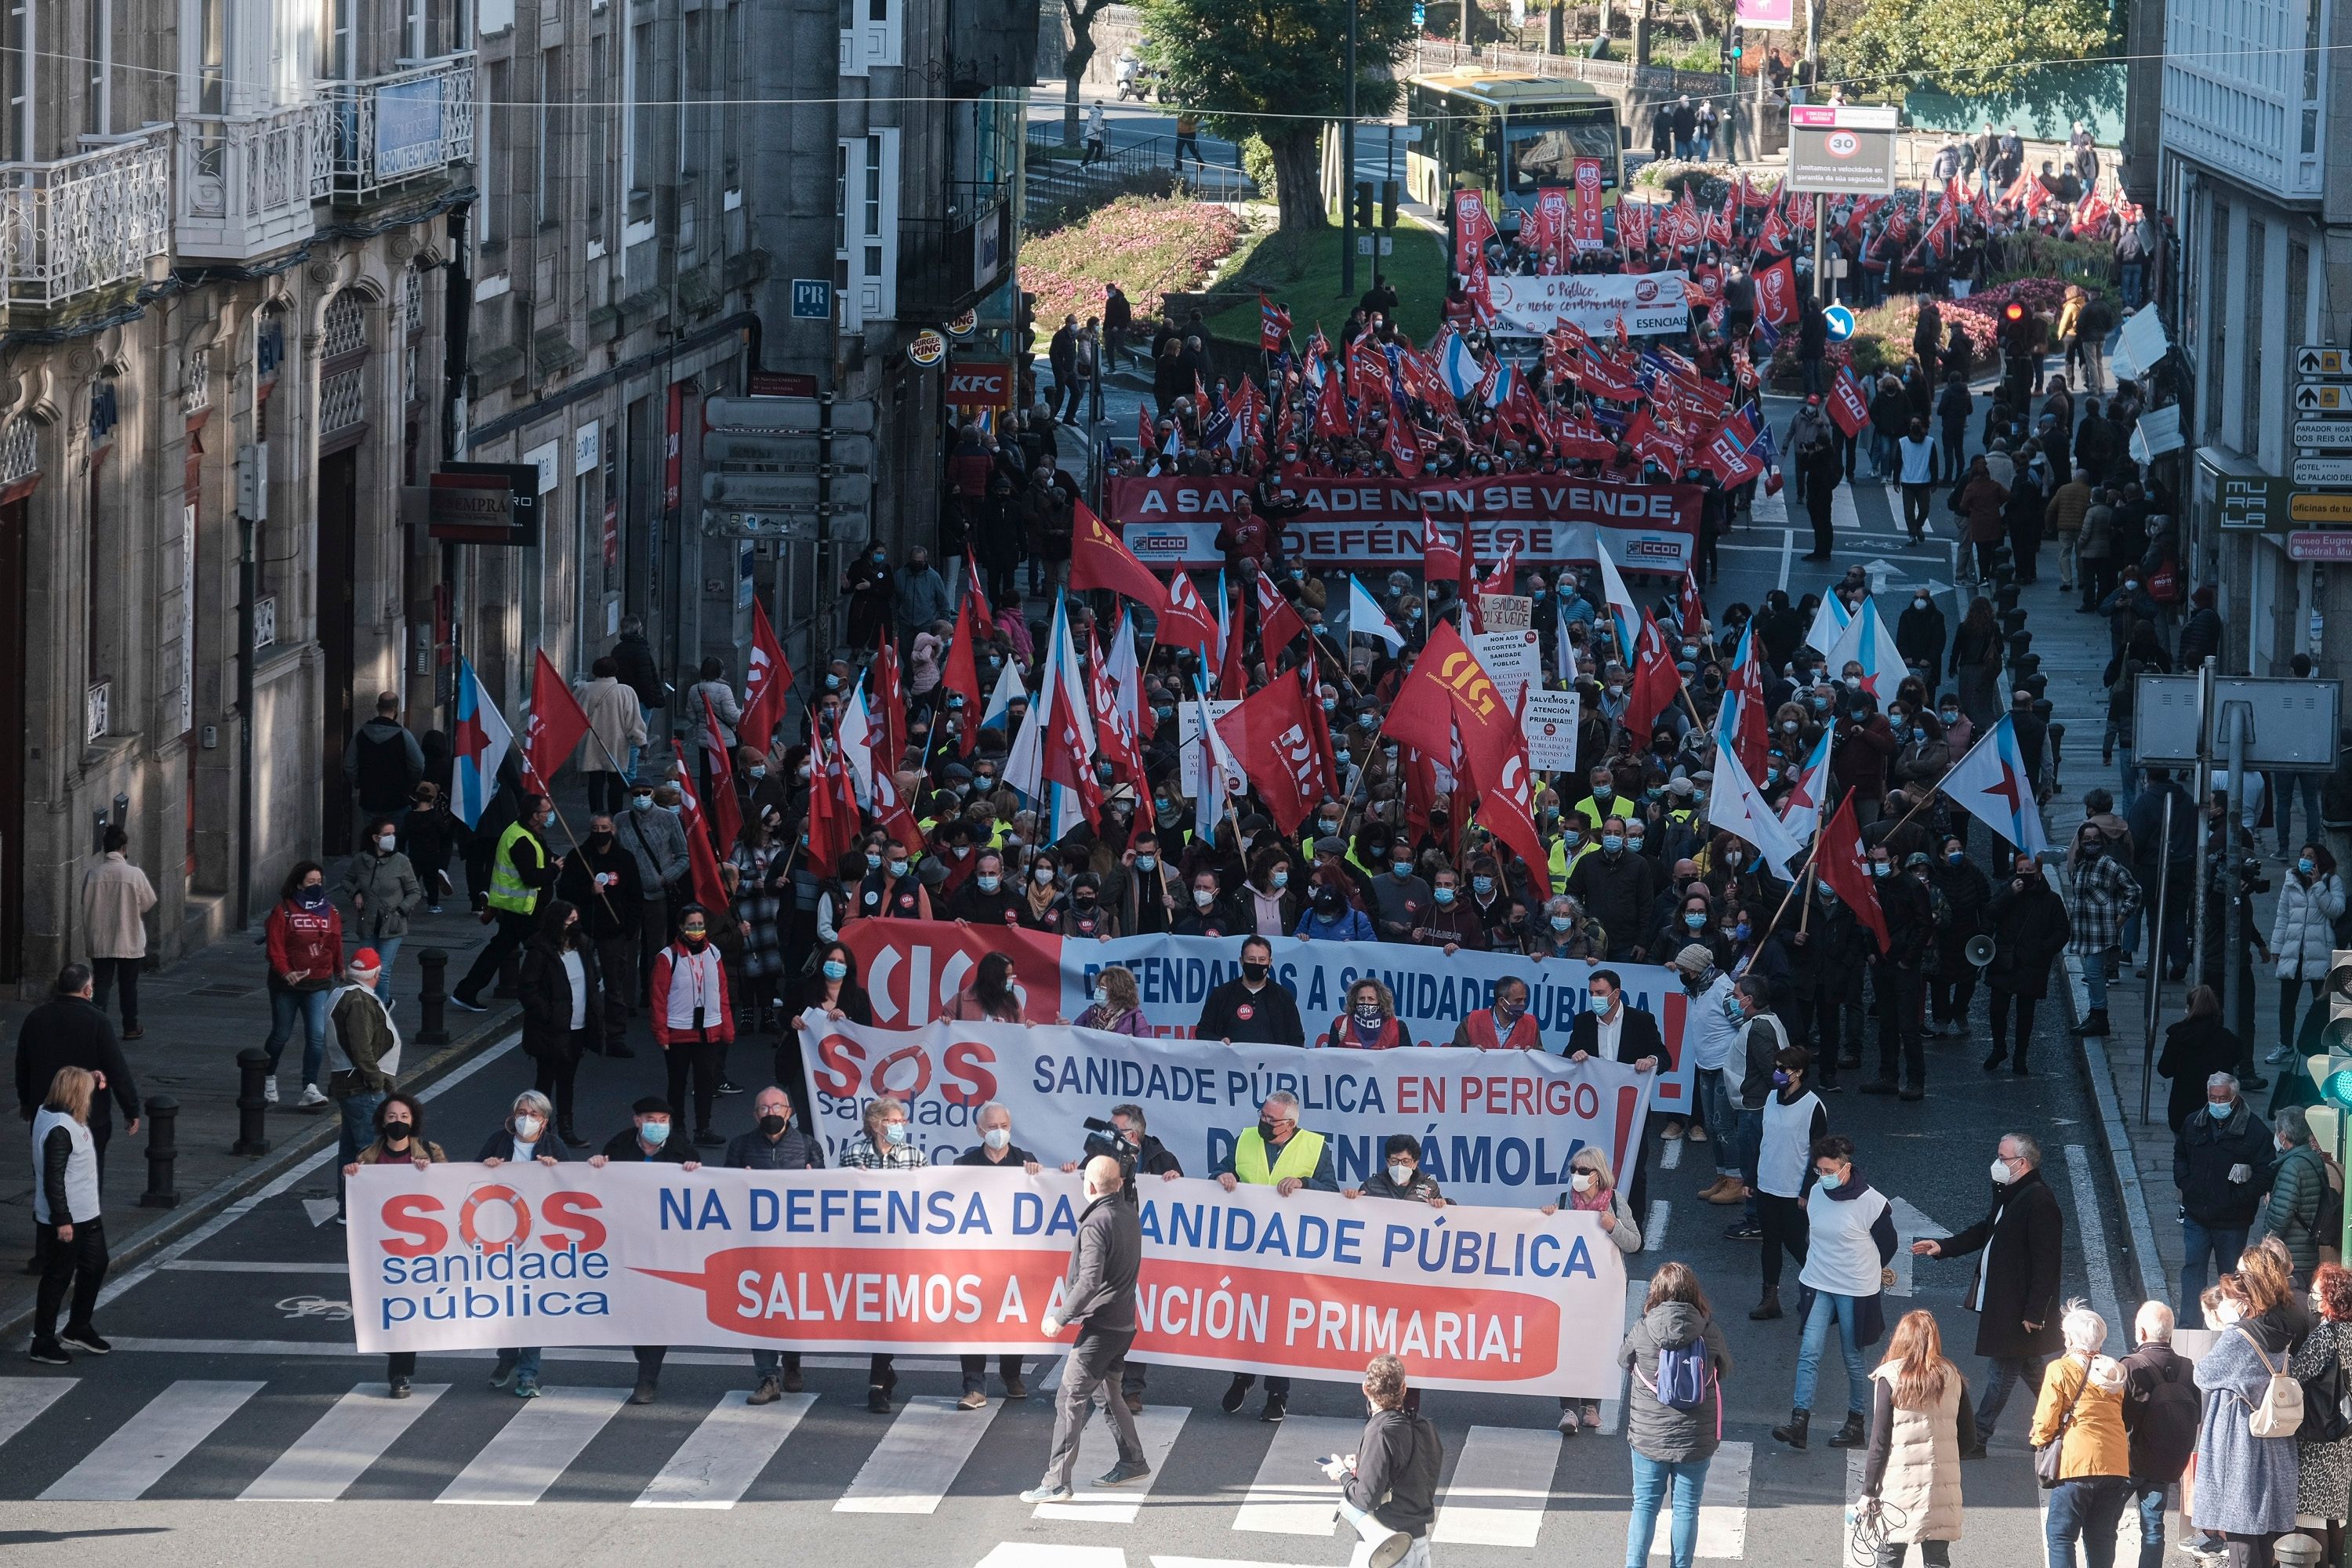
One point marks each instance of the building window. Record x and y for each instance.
(2217, 291)
(212, 59)
(599, 129)
(2298, 291)
(645, 97)
(870, 207)
(346, 326)
(17, 58)
(2257, 289)
(197, 383)
(496, 220)
(541, 208)
(101, 61)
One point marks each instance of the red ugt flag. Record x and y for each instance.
(1776, 292)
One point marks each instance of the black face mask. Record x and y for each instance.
(396, 1132)
(773, 1124)
(600, 841)
(1253, 972)
(1267, 1127)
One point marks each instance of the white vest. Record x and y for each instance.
(1840, 1255)
(694, 982)
(81, 1170)
(337, 1058)
(1787, 1148)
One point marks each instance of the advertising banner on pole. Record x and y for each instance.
(466, 1256)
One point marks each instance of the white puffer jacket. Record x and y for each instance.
(2303, 932)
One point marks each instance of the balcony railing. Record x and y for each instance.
(81, 224)
(247, 181)
(947, 263)
(390, 128)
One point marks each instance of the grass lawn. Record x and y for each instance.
(1301, 271)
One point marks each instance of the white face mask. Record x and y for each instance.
(2225, 1313)
(529, 1128)
(1400, 1175)
(387, 843)
(1583, 1181)
(2002, 1175)
(997, 1137)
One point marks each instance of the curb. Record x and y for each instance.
(2123, 1163)
(323, 1132)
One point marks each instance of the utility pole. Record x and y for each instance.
(1347, 165)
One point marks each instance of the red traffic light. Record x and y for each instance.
(2013, 310)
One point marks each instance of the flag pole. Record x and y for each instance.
(1798, 880)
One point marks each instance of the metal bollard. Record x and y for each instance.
(163, 1150)
(509, 977)
(433, 1006)
(252, 1110)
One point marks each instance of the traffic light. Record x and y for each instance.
(2013, 311)
(1363, 203)
(1388, 204)
(2336, 1036)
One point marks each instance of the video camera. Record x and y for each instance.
(1104, 1138)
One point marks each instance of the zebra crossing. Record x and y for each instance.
(1504, 1488)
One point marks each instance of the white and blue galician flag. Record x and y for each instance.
(1800, 809)
(1460, 367)
(1366, 619)
(480, 746)
(1992, 785)
(1866, 641)
(1623, 613)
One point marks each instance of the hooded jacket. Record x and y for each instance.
(2095, 1442)
(1656, 1430)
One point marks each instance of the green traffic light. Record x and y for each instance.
(2338, 1088)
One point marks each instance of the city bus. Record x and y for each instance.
(1508, 133)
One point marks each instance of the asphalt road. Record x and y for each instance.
(234, 1379)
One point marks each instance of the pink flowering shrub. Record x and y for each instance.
(1148, 246)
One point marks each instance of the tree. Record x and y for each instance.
(1080, 14)
(1972, 47)
(1277, 69)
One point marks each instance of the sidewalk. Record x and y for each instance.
(199, 1014)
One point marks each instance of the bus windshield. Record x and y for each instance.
(1544, 152)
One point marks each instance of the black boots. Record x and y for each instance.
(1770, 1307)
(1854, 1433)
(2094, 1027)
(1793, 1434)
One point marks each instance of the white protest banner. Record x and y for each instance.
(466, 1256)
(1506, 612)
(1188, 729)
(913, 969)
(1650, 302)
(1513, 661)
(1551, 722)
(1494, 1126)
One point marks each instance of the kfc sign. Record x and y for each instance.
(982, 384)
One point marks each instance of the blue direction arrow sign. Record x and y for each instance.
(1841, 321)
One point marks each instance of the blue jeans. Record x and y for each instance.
(2151, 1502)
(2221, 1244)
(525, 1364)
(2089, 1508)
(2095, 981)
(1652, 1481)
(2282, 788)
(309, 1009)
(2006, 1374)
(358, 1132)
(387, 948)
(1829, 1305)
(1713, 1095)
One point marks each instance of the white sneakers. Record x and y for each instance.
(269, 1089)
(312, 1097)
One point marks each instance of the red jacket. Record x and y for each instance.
(308, 943)
(718, 1029)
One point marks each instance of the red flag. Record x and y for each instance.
(1693, 609)
(555, 728)
(766, 684)
(1114, 739)
(1584, 219)
(1403, 448)
(1318, 726)
(983, 619)
(1849, 407)
(1272, 740)
(889, 731)
(1776, 292)
(1838, 860)
(1643, 434)
(1752, 734)
(1368, 370)
(1499, 580)
(1278, 625)
(1146, 440)
(1273, 324)
(708, 890)
(1656, 679)
(1610, 376)
(891, 813)
(1331, 408)
(1473, 228)
(725, 811)
(1440, 558)
(1100, 559)
(1633, 226)
(1067, 759)
(1232, 670)
(1773, 237)
(961, 675)
(1186, 622)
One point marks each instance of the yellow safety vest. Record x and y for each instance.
(508, 892)
(1297, 1158)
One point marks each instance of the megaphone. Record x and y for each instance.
(1979, 950)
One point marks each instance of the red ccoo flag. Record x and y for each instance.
(1186, 622)
(766, 685)
(1837, 861)
(1100, 559)
(1656, 679)
(555, 727)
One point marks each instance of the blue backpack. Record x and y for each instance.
(1683, 1376)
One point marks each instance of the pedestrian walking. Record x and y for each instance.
(2298, 1191)
(526, 1134)
(2019, 1247)
(601, 879)
(1098, 1298)
(2081, 1413)
(115, 898)
(1794, 1121)
(383, 890)
(1673, 1412)
(383, 763)
(2302, 937)
(303, 936)
(365, 1059)
(2101, 895)
(65, 1207)
(560, 988)
(616, 724)
(1920, 1429)
(2162, 1411)
(651, 831)
(2221, 1165)
(399, 1129)
(2252, 1346)
(1388, 1487)
(693, 1019)
(70, 1031)
(521, 871)
(650, 1139)
(1850, 1236)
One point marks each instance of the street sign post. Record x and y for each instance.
(2315, 359)
(812, 299)
(791, 467)
(2324, 432)
(2264, 503)
(1841, 322)
(2323, 397)
(2292, 722)
(1836, 149)
(2322, 471)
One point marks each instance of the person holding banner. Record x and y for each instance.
(399, 1135)
(1276, 1153)
(1098, 1296)
(1506, 1025)
(1253, 1008)
(1369, 1024)
(649, 1139)
(774, 1144)
(886, 1144)
(994, 1151)
(525, 1135)
(1118, 1006)
(1593, 1189)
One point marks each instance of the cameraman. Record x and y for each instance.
(1138, 1154)
(996, 1151)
